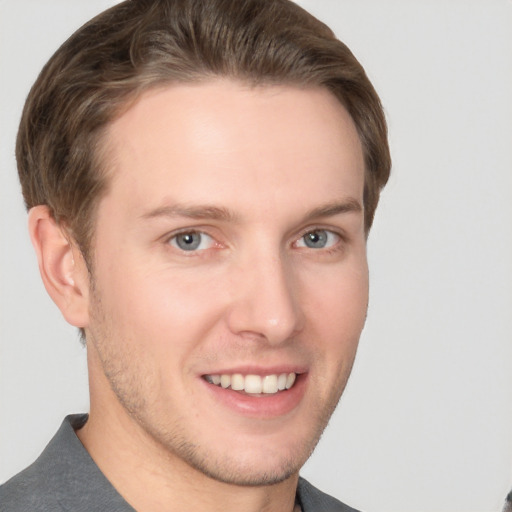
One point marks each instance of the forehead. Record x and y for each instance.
(227, 141)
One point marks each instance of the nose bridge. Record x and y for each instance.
(266, 303)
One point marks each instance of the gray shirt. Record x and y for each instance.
(508, 503)
(64, 478)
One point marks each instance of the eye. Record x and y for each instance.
(192, 241)
(318, 239)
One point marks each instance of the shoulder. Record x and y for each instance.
(63, 478)
(27, 490)
(39, 486)
(508, 503)
(314, 500)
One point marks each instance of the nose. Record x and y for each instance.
(266, 303)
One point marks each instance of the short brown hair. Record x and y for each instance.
(139, 44)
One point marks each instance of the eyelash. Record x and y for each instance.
(192, 232)
(336, 246)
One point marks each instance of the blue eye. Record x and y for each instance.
(318, 239)
(191, 241)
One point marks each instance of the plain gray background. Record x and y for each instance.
(426, 422)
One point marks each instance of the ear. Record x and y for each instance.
(62, 266)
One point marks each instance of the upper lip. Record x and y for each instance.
(258, 370)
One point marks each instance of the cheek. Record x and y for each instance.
(337, 304)
(162, 309)
(337, 312)
(340, 294)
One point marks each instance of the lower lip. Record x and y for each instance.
(264, 405)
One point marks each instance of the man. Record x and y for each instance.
(201, 178)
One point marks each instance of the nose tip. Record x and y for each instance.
(266, 305)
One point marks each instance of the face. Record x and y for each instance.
(230, 277)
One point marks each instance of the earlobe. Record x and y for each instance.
(61, 266)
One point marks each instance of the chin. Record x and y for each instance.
(244, 465)
(254, 473)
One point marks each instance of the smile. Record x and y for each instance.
(253, 384)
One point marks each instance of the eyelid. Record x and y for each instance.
(340, 233)
(332, 244)
(336, 231)
(187, 229)
(170, 237)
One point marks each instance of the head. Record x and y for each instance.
(216, 165)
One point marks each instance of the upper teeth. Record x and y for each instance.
(253, 383)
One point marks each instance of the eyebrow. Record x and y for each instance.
(210, 212)
(207, 212)
(349, 205)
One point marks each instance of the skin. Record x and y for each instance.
(271, 163)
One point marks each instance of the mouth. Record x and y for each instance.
(252, 384)
(258, 393)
